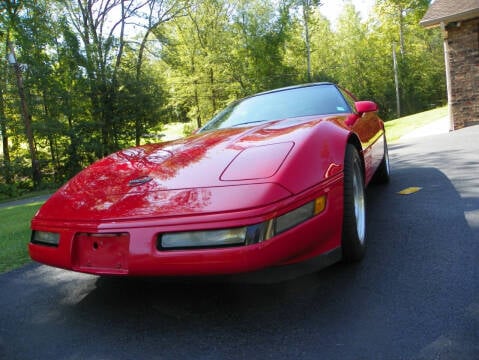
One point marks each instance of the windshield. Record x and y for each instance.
(288, 103)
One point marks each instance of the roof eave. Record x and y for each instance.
(467, 15)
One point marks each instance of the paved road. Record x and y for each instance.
(39, 198)
(415, 295)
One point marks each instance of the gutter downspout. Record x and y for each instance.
(448, 76)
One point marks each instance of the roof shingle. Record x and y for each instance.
(446, 11)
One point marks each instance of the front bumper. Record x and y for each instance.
(132, 250)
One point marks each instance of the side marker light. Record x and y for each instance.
(319, 205)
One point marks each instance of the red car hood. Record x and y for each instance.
(209, 172)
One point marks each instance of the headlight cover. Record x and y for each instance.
(45, 238)
(299, 215)
(293, 218)
(246, 235)
(200, 239)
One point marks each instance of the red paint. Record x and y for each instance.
(95, 252)
(257, 162)
(218, 179)
(365, 107)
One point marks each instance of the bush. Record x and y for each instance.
(8, 191)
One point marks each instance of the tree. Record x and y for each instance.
(5, 144)
(223, 51)
(196, 44)
(101, 28)
(420, 63)
(307, 9)
(259, 36)
(352, 52)
(12, 10)
(323, 48)
(159, 12)
(103, 73)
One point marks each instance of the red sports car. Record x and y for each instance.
(275, 180)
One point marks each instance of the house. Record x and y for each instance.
(459, 21)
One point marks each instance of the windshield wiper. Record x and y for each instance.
(249, 122)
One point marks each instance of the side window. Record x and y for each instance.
(349, 99)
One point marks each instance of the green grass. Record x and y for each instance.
(395, 129)
(173, 131)
(15, 235)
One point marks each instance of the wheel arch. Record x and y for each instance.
(354, 140)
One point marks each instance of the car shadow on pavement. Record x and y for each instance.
(430, 262)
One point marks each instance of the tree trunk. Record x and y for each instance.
(27, 121)
(401, 31)
(213, 94)
(197, 103)
(51, 139)
(6, 151)
(306, 38)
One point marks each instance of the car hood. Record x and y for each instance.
(223, 170)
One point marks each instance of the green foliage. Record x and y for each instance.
(92, 90)
(8, 191)
(419, 53)
(219, 53)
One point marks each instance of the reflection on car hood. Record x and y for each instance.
(182, 176)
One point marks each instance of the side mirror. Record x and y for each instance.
(365, 106)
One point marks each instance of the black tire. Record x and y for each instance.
(354, 213)
(383, 172)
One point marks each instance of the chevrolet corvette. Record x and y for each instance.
(275, 180)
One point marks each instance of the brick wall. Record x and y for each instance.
(463, 44)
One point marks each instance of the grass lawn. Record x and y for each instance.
(173, 131)
(15, 235)
(395, 129)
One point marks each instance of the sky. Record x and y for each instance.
(332, 8)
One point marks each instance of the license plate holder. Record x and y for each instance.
(101, 252)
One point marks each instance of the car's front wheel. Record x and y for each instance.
(384, 170)
(354, 213)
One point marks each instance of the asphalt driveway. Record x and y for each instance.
(414, 296)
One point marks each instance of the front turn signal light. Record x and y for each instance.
(319, 205)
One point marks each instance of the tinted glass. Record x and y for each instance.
(349, 98)
(289, 103)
